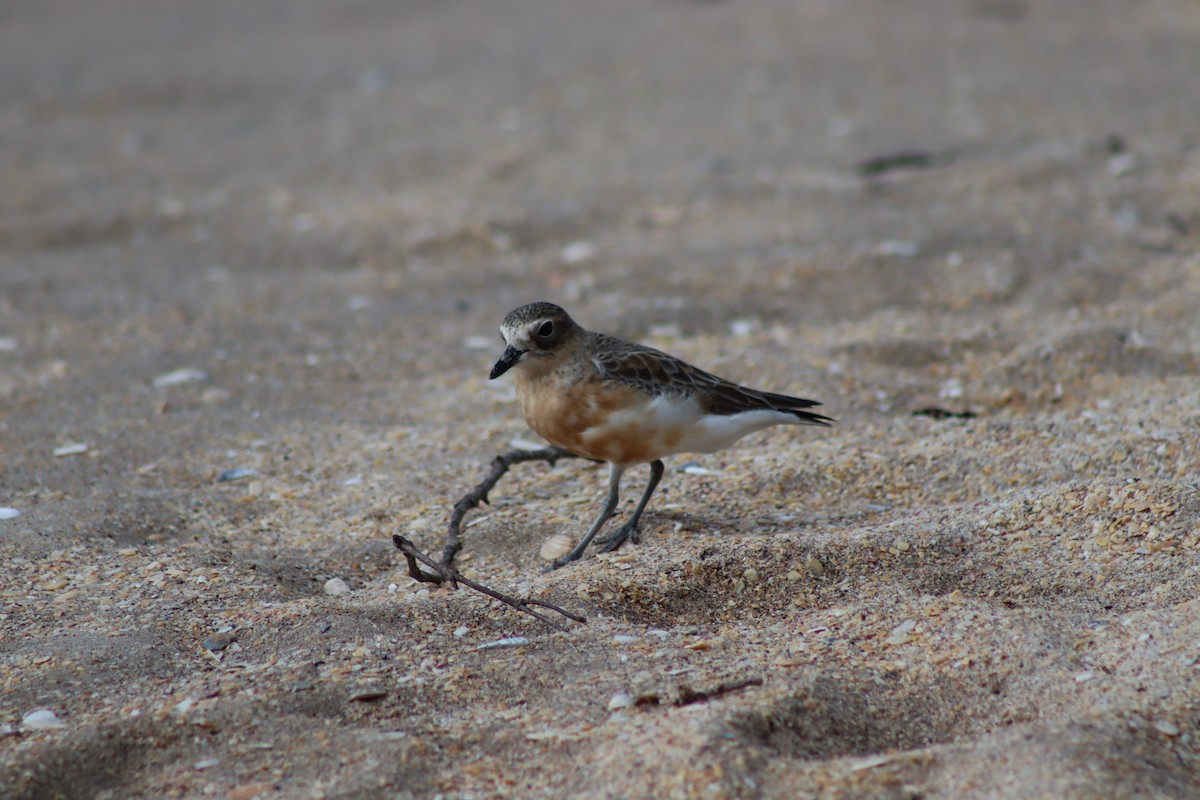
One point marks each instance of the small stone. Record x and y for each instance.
(1121, 165)
(41, 720)
(900, 634)
(368, 695)
(206, 763)
(235, 474)
(577, 252)
(337, 587)
(1166, 728)
(903, 546)
(9, 513)
(71, 449)
(461, 631)
(898, 248)
(186, 375)
(742, 328)
(7, 729)
(620, 700)
(870, 762)
(751, 575)
(624, 638)
(814, 567)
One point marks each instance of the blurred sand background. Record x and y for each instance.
(278, 236)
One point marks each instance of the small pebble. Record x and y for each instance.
(42, 719)
(368, 696)
(1166, 728)
(72, 449)
(900, 634)
(336, 587)
(461, 631)
(8, 729)
(814, 567)
(871, 762)
(576, 252)
(742, 328)
(186, 375)
(9, 513)
(624, 638)
(620, 700)
(898, 248)
(511, 641)
(1122, 164)
(206, 763)
(235, 474)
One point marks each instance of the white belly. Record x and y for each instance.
(672, 424)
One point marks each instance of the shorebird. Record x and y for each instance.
(607, 399)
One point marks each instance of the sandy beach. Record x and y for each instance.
(253, 257)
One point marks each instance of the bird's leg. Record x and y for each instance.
(629, 529)
(610, 505)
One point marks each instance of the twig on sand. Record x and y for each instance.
(443, 572)
(500, 465)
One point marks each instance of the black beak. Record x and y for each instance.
(510, 357)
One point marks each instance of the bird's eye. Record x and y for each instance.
(546, 330)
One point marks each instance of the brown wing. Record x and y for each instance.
(655, 372)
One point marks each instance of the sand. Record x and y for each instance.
(278, 237)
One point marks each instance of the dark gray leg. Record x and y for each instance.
(610, 505)
(629, 529)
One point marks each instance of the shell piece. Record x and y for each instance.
(40, 720)
(556, 547)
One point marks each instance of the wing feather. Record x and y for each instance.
(655, 372)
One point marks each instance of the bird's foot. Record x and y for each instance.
(617, 538)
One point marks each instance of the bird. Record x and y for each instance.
(608, 399)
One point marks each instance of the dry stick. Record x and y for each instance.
(454, 577)
(444, 573)
(500, 465)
